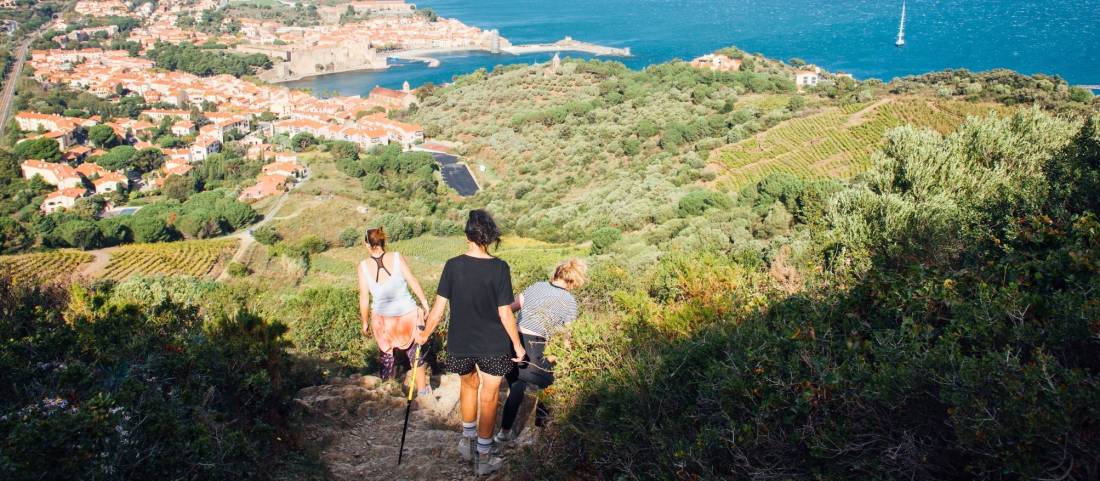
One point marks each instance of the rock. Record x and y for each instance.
(443, 402)
(369, 382)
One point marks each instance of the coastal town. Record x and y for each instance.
(110, 48)
(200, 113)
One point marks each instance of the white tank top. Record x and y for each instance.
(391, 297)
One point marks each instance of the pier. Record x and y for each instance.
(567, 44)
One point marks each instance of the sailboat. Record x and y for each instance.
(901, 27)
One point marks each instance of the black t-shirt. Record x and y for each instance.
(476, 288)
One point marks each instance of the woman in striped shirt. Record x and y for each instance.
(545, 308)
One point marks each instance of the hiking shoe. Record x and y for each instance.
(487, 464)
(466, 448)
(504, 436)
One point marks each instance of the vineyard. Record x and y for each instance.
(835, 143)
(45, 266)
(189, 258)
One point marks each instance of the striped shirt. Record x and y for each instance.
(546, 309)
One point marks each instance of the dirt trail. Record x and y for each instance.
(859, 117)
(96, 268)
(355, 426)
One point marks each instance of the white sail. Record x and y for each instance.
(901, 27)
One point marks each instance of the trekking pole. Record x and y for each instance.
(408, 406)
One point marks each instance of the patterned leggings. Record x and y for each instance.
(388, 360)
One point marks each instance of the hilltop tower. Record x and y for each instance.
(555, 64)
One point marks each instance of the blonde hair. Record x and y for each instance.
(571, 272)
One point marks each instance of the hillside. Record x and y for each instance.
(592, 143)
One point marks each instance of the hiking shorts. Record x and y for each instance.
(492, 365)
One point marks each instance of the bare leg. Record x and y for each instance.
(490, 393)
(467, 397)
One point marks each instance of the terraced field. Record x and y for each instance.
(190, 258)
(44, 266)
(837, 142)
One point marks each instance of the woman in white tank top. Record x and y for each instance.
(387, 309)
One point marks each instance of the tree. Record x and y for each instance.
(179, 187)
(148, 228)
(13, 236)
(342, 149)
(603, 238)
(302, 141)
(39, 149)
(697, 202)
(148, 160)
(266, 235)
(118, 158)
(103, 136)
(82, 234)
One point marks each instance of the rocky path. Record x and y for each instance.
(355, 425)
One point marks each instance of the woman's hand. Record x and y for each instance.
(421, 337)
(521, 353)
(551, 359)
(366, 329)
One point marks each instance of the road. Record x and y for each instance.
(13, 78)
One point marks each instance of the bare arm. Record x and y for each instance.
(364, 298)
(434, 317)
(414, 284)
(509, 320)
(518, 304)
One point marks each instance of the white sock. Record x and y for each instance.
(484, 445)
(469, 430)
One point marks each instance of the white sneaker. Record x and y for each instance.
(487, 464)
(466, 448)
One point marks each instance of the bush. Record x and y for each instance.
(603, 238)
(697, 202)
(325, 323)
(303, 141)
(162, 390)
(236, 269)
(350, 237)
(313, 244)
(266, 235)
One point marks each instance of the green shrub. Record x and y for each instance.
(102, 387)
(603, 238)
(236, 269)
(266, 235)
(350, 237)
(313, 244)
(324, 322)
(698, 201)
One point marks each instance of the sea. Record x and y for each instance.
(1057, 37)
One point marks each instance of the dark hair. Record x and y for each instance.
(376, 237)
(481, 229)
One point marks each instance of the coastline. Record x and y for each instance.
(428, 55)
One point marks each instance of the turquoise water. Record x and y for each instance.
(857, 36)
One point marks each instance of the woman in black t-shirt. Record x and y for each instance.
(482, 335)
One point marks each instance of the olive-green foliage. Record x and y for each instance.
(596, 144)
(1001, 85)
(192, 59)
(41, 148)
(313, 244)
(324, 322)
(954, 336)
(350, 237)
(187, 388)
(697, 202)
(266, 235)
(603, 238)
